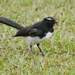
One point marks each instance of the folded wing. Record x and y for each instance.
(29, 31)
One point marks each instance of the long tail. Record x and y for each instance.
(11, 23)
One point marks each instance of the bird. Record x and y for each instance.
(33, 34)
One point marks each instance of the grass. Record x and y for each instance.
(59, 49)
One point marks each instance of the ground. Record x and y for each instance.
(59, 50)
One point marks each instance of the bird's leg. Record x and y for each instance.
(31, 47)
(40, 50)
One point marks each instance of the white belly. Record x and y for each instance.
(35, 40)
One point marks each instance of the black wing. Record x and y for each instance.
(29, 31)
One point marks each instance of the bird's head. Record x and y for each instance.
(50, 21)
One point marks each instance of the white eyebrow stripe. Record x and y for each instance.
(49, 19)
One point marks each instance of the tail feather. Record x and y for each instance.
(11, 23)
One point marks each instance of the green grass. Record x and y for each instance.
(59, 49)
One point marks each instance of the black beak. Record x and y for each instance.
(56, 22)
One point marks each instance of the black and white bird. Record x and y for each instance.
(34, 34)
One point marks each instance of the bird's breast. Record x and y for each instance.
(48, 35)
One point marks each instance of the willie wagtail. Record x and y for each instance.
(35, 33)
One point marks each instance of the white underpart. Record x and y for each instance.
(35, 40)
(49, 19)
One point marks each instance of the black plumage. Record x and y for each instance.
(40, 30)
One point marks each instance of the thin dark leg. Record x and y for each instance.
(31, 47)
(40, 50)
